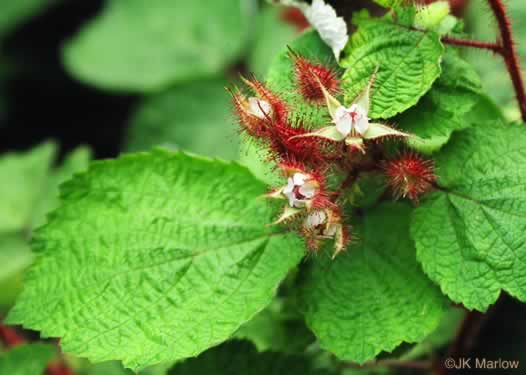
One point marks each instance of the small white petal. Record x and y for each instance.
(292, 198)
(299, 179)
(343, 121)
(332, 29)
(314, 219)
(307, 190)
(290, 186)
(360, 120)
(259, 108)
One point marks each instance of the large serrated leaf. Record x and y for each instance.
(154, 257)
(375, 296)
(469, 235)
(442, 110)
(408, 63)
(138, 45)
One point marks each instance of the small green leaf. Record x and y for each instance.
(375, 296)
(138, 45)
(281, 78)
(430, 17)
(195, 117)
(443, 109)
(239, 357)
(161, 255)
(408, 61)
(26, 359)
(469, 233)
(27, 174)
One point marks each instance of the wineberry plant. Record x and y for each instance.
(380, 197)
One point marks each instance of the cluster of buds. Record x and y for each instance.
(308, 204)
(308, 158)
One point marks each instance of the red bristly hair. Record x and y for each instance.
(310, 75)
(409, 175)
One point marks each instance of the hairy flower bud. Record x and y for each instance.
(312, 77)
(325, 224)
(410, 175)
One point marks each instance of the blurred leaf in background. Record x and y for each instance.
(272, 34)
(495, 79)
(29, 192)
(26, 359)
(15, 12)
(194, 117)
(137, 45)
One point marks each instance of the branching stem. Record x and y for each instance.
(504, 47)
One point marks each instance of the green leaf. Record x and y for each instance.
(432, 15)
(15, 12)
(272, 34)
(138, 45)
(440, 337)
(33, 186)
(469, 233)
(391, 3)
(27, 173)
(367, 189)
(282, 79)
(254, 157)
(161, 255)
(239, 357)
(408, 62)
(443, 109)
(74, 162)
(115, 368)
(195, 117)
(26, 359)
(375, 296)
(276, 329)
(15, 257)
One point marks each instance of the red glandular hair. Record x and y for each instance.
(276, 130)
(410, 175)
(310, 77)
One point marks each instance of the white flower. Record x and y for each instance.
(322, 223)
(299, 189)
(347, 119)
(323, 17)
(332, 29)
(259, 108)
(315, 219)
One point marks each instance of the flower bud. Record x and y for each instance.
(410, 175)
(312, 77)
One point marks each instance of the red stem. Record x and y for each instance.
(509, 52)
(472, 43)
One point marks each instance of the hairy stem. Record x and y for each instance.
(509, 52)
(495, 47)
